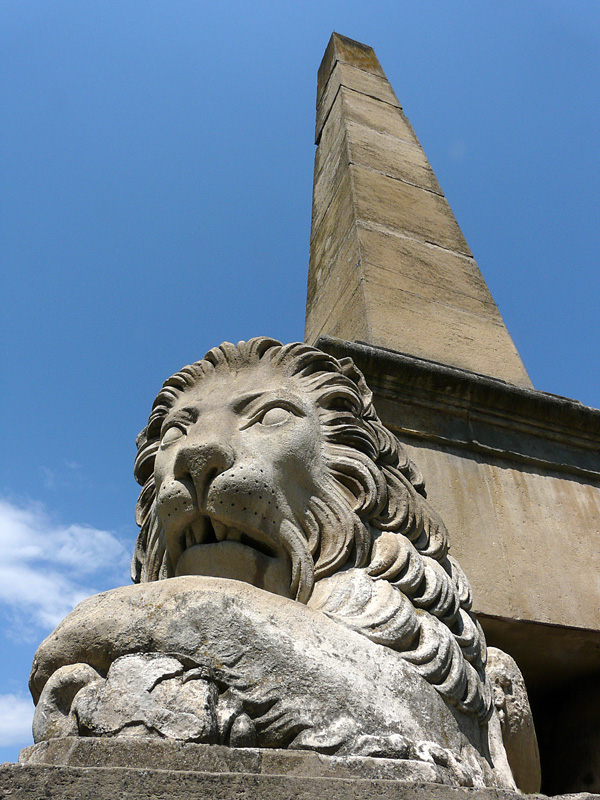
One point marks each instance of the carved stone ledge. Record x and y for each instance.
(147, 753)
(463, 409)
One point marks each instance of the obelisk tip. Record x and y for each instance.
(350, 52)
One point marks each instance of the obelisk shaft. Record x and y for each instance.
(389, 265)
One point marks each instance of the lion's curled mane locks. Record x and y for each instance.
(365, 548)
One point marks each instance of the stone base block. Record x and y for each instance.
(101, 769)
(32, 782)
(166, 754)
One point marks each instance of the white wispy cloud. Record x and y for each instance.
(16, 714)
(65, 475)
(46, 569)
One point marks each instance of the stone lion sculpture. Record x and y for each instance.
(294, 587)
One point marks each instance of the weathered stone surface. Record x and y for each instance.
(400, 206)
(349, 77)
(27, 782)
(341, 50)
(151, 692)
(406, 290)
(361, 112)
(389, 155)
(512, 705)
(178, 755)
(427, 270)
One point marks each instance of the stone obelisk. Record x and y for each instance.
(389, 265)
(515, 472)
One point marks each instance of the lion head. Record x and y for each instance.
(267, 463)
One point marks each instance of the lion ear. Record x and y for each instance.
(351, 371)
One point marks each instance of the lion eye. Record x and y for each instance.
(273, 416)
(171, 435)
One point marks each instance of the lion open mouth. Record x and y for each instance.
(212, 548)
(206, 530)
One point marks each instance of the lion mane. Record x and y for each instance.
(376, 554)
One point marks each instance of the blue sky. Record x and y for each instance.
(157, 171)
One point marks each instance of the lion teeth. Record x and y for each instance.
(201, 531)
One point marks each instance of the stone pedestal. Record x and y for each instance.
(175, 771)
(155, 754)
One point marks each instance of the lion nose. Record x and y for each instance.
(202, 462)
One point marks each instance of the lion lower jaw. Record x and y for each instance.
(237, 561)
